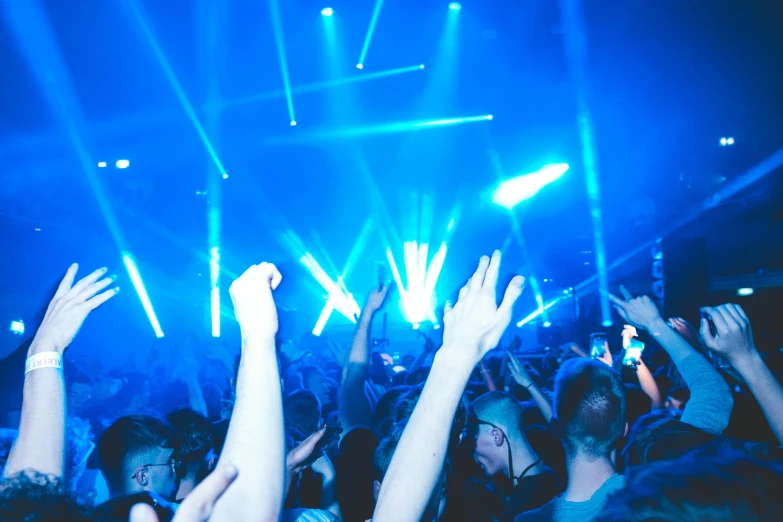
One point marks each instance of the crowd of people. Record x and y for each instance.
(470, 430)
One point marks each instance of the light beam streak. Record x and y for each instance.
(277, 29)
(376, 13)
(138, 285)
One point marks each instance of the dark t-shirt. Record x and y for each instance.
(355, 475)
(531, 493)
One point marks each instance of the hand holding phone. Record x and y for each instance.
(598, 345)
(633, 354)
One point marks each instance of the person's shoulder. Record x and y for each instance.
(545, 512)
(358, 437)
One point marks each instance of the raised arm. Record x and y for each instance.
(471, 329)
(41, 442)
(733, 339)
(709, 407)
(523, 379)
(255, 443)
(355, 409)
(648, 385)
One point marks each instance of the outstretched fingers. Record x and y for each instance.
(477, 280)
(513, 291)
(84, 283)
(67, 281)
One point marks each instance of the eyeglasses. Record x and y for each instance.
(177, 467)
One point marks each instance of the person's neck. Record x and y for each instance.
(523, 456)
(586, 476)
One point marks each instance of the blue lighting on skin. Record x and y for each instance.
(277, 29)
(376, 13)
(327, 11)
(138, 284)
(175, 85)
(454, 6)
(511, 192)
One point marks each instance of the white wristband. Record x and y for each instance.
(43, 360)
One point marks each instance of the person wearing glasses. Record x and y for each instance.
(138, 454)
(502, 451)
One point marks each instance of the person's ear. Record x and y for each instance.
(376, 489)
(141, 477)
(497, 437)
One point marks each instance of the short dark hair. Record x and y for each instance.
(589, 407)
(500, 409)
(128, 436)
(385, 414)
(193, 432)
(383, 454)
(33, 496)
(721, 488)
(302, 411)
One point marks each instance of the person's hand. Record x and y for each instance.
(302, 456)
(733, 337)
(518, 371)
(628, 333)
(640, 312)
(376, 298)
(254, 305)
(606, 358)
(69, 307)
(475, 324)
(323, 466)
(197, 507)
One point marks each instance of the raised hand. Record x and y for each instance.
(733, 337)
(254, 305)
(475, 324)
(640, 312)
(376, 299)
(69, 307)
(197, 507)
(302, 456)
(518, 371)
(628, 333)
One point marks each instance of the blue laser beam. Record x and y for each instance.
(511, 192)
(146, 31)
(376, 13)
(277, 29)
(138, 285)
(214, 293)
(418, 295)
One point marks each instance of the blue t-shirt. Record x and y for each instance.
(560, 510)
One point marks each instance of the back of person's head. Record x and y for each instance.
(30, 496)
(666, 439)
(694, 488)
(131, 442)
(193, 434)
(589, 407)
(407, 403)
(302, 410)
(385, 414)
(501, 409)
(382, 456)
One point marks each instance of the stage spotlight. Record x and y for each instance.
(338, 297)
(122, 164)
(327, 11)
(416, 326)
(101, 164)
(436, 326)
(744, 292)
(547, 324)
(225, 176)
(293, 123)
(359, 66)
(723, 142)
(421, 66)
(418, 296)
(17, 327)
(509, 193)
(729, 141)
(607, 323)
(454, 6)
(138, 284)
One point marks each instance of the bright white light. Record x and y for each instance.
(744, 292)
(122, 164)
(729, 141)
(607, 323)
(17, 327)
(327, 11)
(214, 295)
(338, 297)
(225, 176)
(359, 66)
(490, 117)
(101, 164)
(436, 326)
(509, 193)
(547, 324)
(418, 295)
(293, 123)
(454, 6)
(416, 326)
(421, 66)
(138, 284)
(723, 142)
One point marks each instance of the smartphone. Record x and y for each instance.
(633, 353)
(717, 360)
(598, 344)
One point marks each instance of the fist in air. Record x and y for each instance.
(254, 305)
